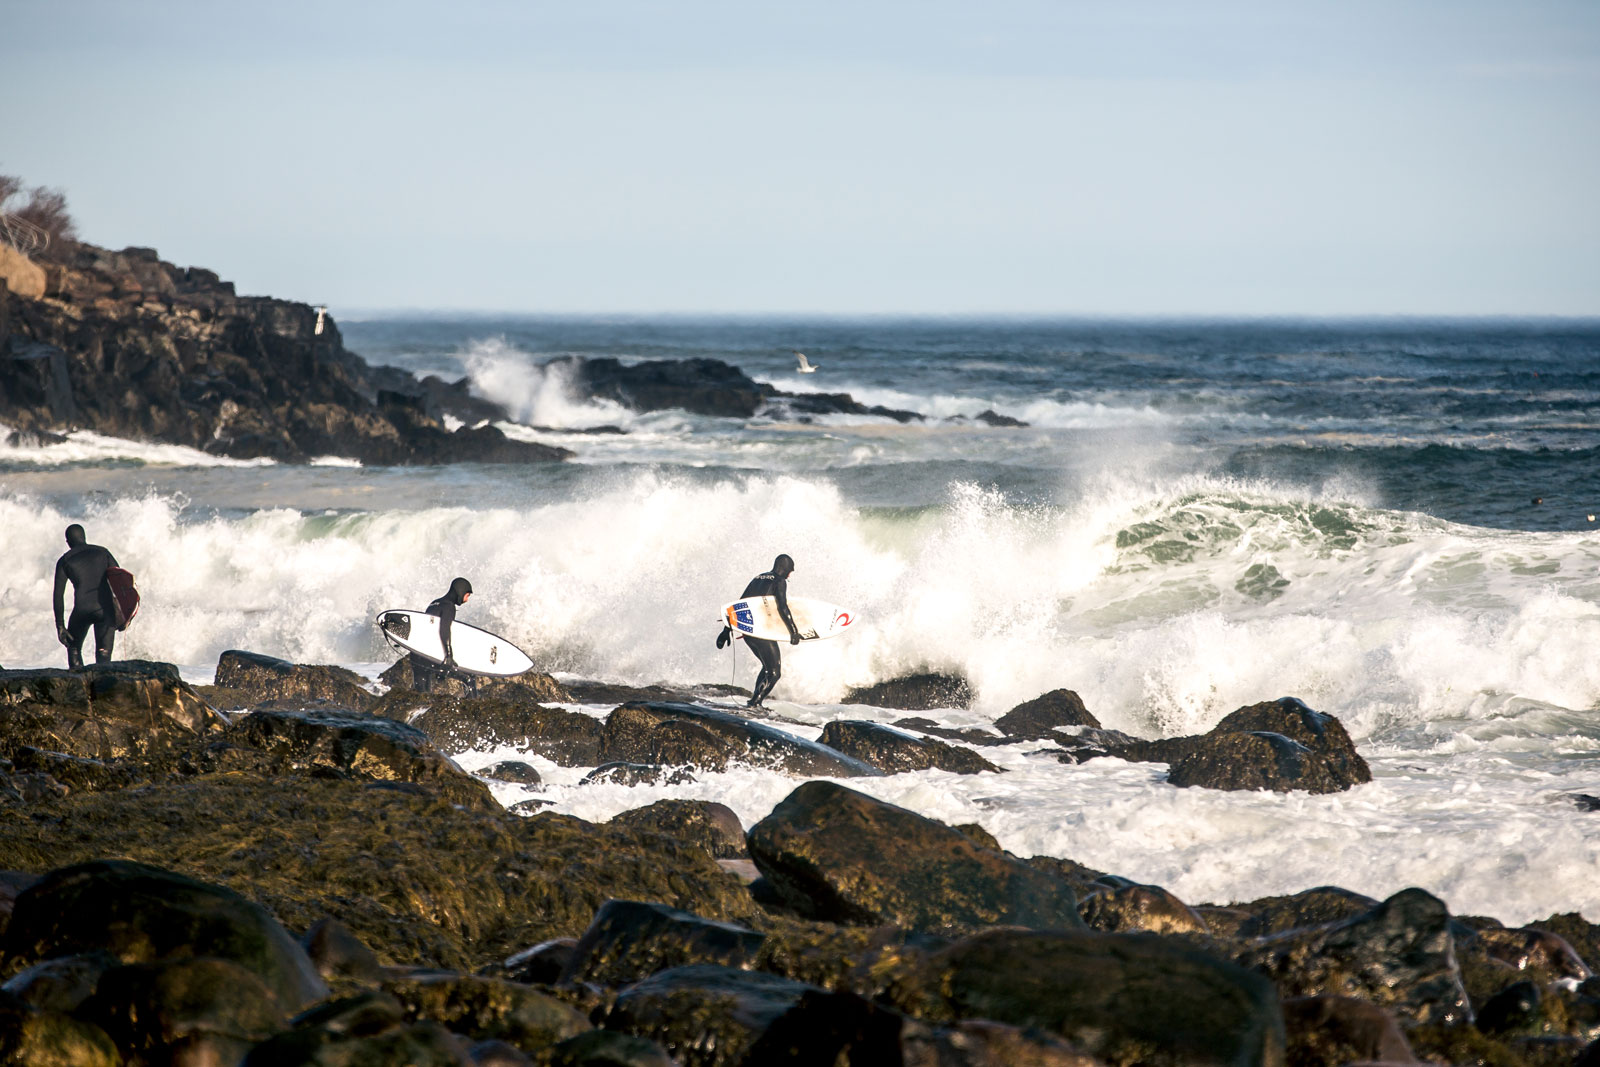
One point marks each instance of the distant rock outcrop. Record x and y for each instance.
(128, 345)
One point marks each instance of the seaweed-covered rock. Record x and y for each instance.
(30, 1035)
(1040, 716)
(838, 855)
(262, 678)
(340, 956)
(413, 688)
(513, 771)
(635, 734)
(1538, 953)
(1320, 732)
(895, 751)
(748, 741)
(1120, 997)
(607, 1048)
(368, 1030)
(74, 772)
(713, 1016)
(467, 724)
(714, 827)
(419, 879)
(194, 1010)
(542, 964)
(982, 1043)
(630, 940)
(61, 983)
(1398, 955)
(366, 746)
(132, 708)
(1275, 915)
(1125, 909)
(917, 692)
(1331, 1031)
(142, 914)
(1259, 760)
(481, 1008)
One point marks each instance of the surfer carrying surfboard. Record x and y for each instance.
(93, 605)
(773, 583)
(445, 609)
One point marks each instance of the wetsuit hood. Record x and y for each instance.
(76, 538)
(783, 566)
(459, 590)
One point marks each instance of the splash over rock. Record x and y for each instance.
(917, 692)
(894, 751)
(1038, 718)
(838, 855)
(1258, 760)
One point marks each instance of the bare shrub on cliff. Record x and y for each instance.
(44, 209)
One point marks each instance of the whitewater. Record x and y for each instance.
(1195, 517)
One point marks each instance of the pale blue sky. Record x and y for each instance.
(1264, 157)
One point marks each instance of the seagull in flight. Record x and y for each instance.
(806, 366)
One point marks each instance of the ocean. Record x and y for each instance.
(1395, 521)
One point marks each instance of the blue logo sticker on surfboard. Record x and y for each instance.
(814, 619)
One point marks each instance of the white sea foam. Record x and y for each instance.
(86, 446)
(535, 393)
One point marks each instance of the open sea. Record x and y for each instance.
(1397, 522)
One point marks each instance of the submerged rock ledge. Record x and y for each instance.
(294, 880)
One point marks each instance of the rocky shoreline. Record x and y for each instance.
(131, 346)
(287, 867)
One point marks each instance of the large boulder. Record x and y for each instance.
(133, 708)
(186, 1010)
(917, 692)
(1399, 955)
(894, 751)
(473, 724)
(1338, 1030)
(364, 746)
(1321, 733)
(143, 914)
(712, 826)
(701, 386)
(1131, 908)
(49, 1038)
(1038, 718)
(1120, 997)
(1258, 760)
(834, 854)
(367, 1030)
(257, 679)
(420, 684)
(630, 940)
(746, 740)
(635, 734)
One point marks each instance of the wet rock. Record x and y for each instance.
(513, 771)
(917, 692)
(1126, 909)
(1330, 1031)
(712, 826)
(61, 983)
(607, 1048)
(1575, 930)
(1038, 718)
(981, 738)
(1119, 997)
(262, 678)
(1087, 743)
(531, 806)
(567, 738)
(481, 1009)
(895, 752)
(28, 788)
(1514, 1009)
(543, 963)
(838, 855)
(30, 1036)
(981, 1043)
(635, 734)
(1544, 956)
(12, 883)
(994, 418)
(340, 956)
(142, 914)
(530, 687)
(1257, 760)
(184, 1010)
(1399, 955)
(630, 940)
(1275, 915)
(1321, 733)
(748, 741)
(975, 833)
(632, 774)
(712, 1016)
(133, 708)
(364, 746)
(74, 772)
(363, 1031)
(701, 386)
(498, 1053)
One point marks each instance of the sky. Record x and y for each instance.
(1269, 157)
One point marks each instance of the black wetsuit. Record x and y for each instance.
(92, 605)
(422, 672)
(770, 584)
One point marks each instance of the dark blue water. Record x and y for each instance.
(1491, 423)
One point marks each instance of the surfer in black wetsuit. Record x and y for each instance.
(423, 672)
(85, 565)
(773, 583)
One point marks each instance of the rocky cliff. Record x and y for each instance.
(129, 345)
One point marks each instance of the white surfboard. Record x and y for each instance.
(476, 651)
(815, 619)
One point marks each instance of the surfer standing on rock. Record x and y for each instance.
(85, 566)
(773, 583)
(423, 673)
